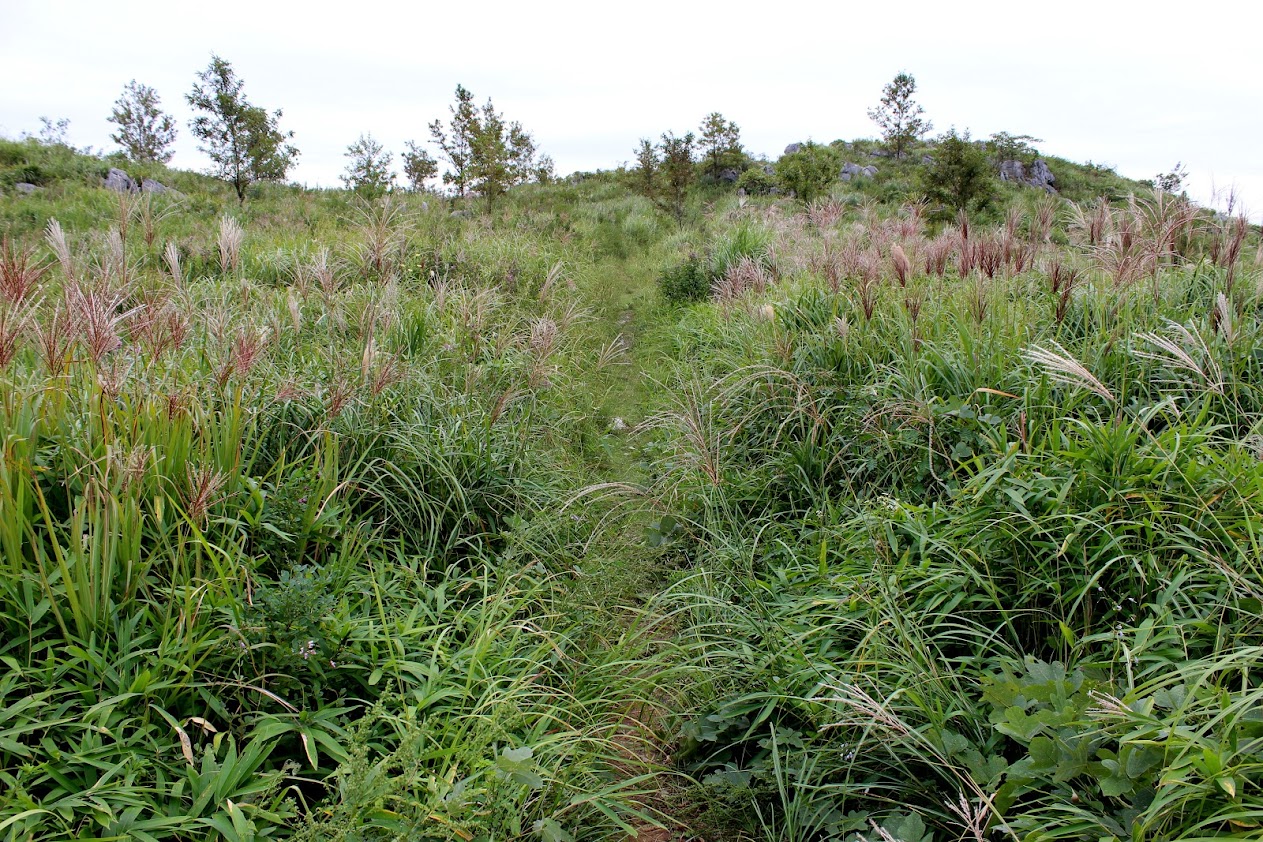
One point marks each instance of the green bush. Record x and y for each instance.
(756, 181)
(686, 281)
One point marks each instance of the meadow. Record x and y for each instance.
(333, 518)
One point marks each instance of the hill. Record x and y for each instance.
(610, 512)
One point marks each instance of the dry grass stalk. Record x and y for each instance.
(202, 491)
(1221, 320)
(1176, 352)
(937, 252)
(1061, 367)
(554, 274)
(231, 237)
(16, 319)
(171, 257)
(53, 340)
(900, 263)
(20, 272)
(96, 316)
(1047, 209)
(56, 239)
(824, 214)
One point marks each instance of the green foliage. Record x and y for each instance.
(144, 131)
(719, 141)
(959, 177)
(418, 166)
(487, 154)
(242, 140)
(809, 171)
(756, 182)
(665, 172)
(1010, 147)
(456, 143)
(686, 281)
(369, 171)
(899, 115)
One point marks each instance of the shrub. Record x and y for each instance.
(685, 281)
(756, 181)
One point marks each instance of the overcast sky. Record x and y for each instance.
(1137, 90)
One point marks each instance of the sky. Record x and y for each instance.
(1095, 81)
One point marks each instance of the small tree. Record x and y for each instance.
(242, 140)
(456, 144)
(720, 143)
(808, 171)
(1013, 147)
(369, 172)
(418, 166)
(144, 131)
(1173, 181)
(899, 115)
(960, 177)
(666, 172)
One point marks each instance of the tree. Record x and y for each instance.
(503, 155)
(959, 176)
(418, 166)
(899, 115)
(488, 154)
(144, 131)
(808, 171)
(1173, 181)
(457, 147)
(720, 143)
(369, 171)
(666, 172)
(1013, 147)
(243, 141)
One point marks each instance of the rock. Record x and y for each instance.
(846, 176)
(618, 425)
(25, 188)
(768, 169)
(927, 160)
(792, 148)
(879, 153)
(1039, 176)
(151, 186)
(120, 181)
(729, 176)
(425, 206)
(869, 171)
(1012, 171)
(460, 214)
(851, 169)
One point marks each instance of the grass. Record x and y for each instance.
(325, 519)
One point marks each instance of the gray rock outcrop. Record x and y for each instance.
(1038, 176)
(151, 186)
(792, 148)
(120, 182)
(25, 188)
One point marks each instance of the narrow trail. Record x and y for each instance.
(629, 310)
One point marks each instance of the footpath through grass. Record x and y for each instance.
(324, 519)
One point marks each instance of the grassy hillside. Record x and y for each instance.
(331, 519)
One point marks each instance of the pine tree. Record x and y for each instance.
(899, 115)
(457, 148)
(419, 166)
(144, 131)
(369, 171)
